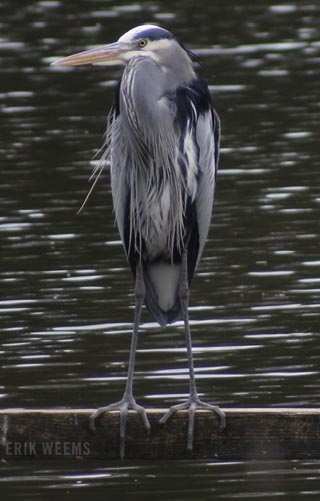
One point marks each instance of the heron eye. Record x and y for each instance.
(143, 42)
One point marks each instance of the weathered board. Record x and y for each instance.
(251, 433)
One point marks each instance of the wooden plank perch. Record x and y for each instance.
(251, 433)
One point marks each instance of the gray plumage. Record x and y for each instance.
(162, 141)
(158, 167)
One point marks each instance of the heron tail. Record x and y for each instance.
(161, 298)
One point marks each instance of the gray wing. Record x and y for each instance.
(208, 140)
(119, 179)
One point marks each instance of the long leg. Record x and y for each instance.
(193, 401)
(128, 400)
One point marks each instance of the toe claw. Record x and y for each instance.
(144, 417)
(191, 413)
(123, 407)
(191, 405)
(92, 425)
(93, 417)
(166, 416)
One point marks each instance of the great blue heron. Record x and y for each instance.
(163, 145)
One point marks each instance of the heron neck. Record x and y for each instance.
(145, 88)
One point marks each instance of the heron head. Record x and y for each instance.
(146, 40)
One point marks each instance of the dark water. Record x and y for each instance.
(65, 290)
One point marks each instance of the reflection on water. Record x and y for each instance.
(66, 291)
(171, 481)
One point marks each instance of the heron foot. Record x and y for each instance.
(123, 406)
(191, 405)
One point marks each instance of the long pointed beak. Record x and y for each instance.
(111, 54)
